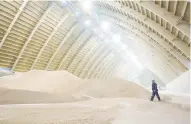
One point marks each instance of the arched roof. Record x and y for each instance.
(50, 35)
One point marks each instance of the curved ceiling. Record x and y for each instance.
(52, 36)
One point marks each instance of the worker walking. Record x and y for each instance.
(154, 91)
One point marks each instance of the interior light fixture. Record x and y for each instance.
(88, 23)
(116, 38)
(86, 5)
(105, 25)
(64, 2)
(124, 47)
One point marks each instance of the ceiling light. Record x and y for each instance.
(116, 38)
(87, 23)
(86, 5)
(105, 25)
(124, 47)
(63, 1)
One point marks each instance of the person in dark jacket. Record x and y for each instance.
(154, 91)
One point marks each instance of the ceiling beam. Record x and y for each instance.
(75, 59)
(141, 10)
(154, 59)
(176, 34)
(97, 53)
(63, 59)
(166, 24)
(101, 64)
(81, 54)
(75, 48)
(155, 17)
(160, 2)
(131, 4)
(136, 7)
(150, 64)
(167, 16)
(171, 29)
(127, 2)
(113, 69)
(96, 61)
(61, 44)
(169, 49)
(116, 68)
(156, 70)
(87, 56)
(13, 22)
(168, 61)
(175, 6)
(106, 73)
(32, 34)
(166, 34)
(145, 35)
(184, 9)
(167, 5)
(149, 14)
(49, 38)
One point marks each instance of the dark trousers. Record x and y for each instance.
(153, 95)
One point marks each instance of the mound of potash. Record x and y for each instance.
(39, 80)
(51, 86)
(111, 88)
(38, 87)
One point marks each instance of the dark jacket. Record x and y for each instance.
(154, 86)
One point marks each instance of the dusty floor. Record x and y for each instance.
(29, 99)
(96, 111)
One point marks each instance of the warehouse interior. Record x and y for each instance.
(93, 62)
